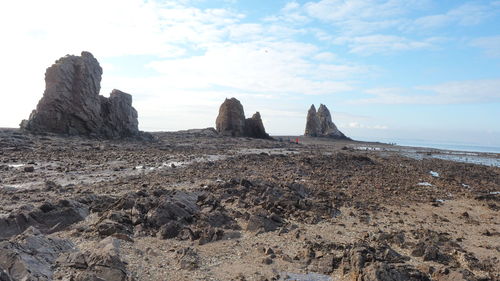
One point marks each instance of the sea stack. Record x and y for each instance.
(320, 124)
(231, 121)
(312, 123)
(71, 104)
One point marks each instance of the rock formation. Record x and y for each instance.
(255, 128)
(320, 124)
(71, 103)
(231, 121)
(312, 123)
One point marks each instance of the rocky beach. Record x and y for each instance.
(297, 140)
(196, 205)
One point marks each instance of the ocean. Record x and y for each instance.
(437, 145)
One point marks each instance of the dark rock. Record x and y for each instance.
(231, 118)
(312, 123)
(109, 227)
(323, 265)
(446, 274)
(29, 169)
(48, 218)
(4, 276)
(379, 263)
(381, 271)
(267, 260)
(87, 276)
(320, 124)
(210, 235)
(254, 127)
(169, 230)
(231, 121)
(100, 263)
(31, 255)
(76, 260)
(105, 261)
(175, 207)
(434, 246)
(71, 104)
(262, 222)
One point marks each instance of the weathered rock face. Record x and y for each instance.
(327, 127)
(231, 121)
(30, 256)
(320, 124)
(71, 103)
(231, 118)
(103, 262)
(255, 128)
(48, 217)
(312, 123)
(119, 117)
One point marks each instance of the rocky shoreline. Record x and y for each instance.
(195, 205)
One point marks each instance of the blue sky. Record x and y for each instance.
(387, 69)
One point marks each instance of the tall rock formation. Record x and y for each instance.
(312, 123)
(327, 127)
(71, 103)
(255, 128)
(231, 121)
(320, 124)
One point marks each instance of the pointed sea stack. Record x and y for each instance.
(320, 124)
(231, 121)
(312, 123)
(71, 104)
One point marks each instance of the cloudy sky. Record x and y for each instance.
(387, 69)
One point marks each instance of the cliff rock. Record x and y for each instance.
(312, 123)
(255, 128)
(320, 124)
(327, 127)
(231, 121)
(71, 103)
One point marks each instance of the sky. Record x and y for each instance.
(386, 69)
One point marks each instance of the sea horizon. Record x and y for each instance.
(444, 145)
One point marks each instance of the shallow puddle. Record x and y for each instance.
(305, 277)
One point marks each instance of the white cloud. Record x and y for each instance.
(325, 56)
(339, 10)
(196, 52)
(456, 92)
(466, 14)
(380, 43)
(363, 16)
(261, 67)
(490, 45)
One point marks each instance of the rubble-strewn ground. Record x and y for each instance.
(196, 206)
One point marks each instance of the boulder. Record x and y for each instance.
(320, 124)
(49, 217)
(231, 121)
(31, 256)
(102, 262)
(379, 263)
(71, 104)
